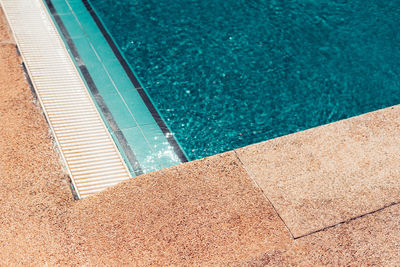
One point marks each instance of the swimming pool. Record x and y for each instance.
(228, 73)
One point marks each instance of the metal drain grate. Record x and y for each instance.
(89, 152)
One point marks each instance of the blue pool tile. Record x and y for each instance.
(159, 143)
(86, 52)
(61, 7)
(107, 55)
(84, 17)
(102, 48)
(76, 5)
(94, 66)
(74, 28)
(137, 106)
(119, 146)
(118, 110)
(111, 63)
(117, 72)
(143, 152)
(105, 89)
(92, 31)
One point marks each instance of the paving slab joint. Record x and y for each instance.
(349, 220)
(263, 193)
(251, 175)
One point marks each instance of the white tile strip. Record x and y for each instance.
(89, 152)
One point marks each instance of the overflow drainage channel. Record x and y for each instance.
(90, 154)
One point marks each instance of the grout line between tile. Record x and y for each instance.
(136, 126)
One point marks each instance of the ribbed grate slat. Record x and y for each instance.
(87, 147)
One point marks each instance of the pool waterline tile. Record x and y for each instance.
(74, 28)
(142, 150)
(119, 111)
(160, 145)
(138, 108)
(114, 70)
(62, 7)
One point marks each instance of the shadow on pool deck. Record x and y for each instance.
(206, 212)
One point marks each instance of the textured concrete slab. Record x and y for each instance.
(372, 240)
(326, 175)
(34, 190)
(206, 212)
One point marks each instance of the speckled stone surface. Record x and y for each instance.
(206, 212)
(372, 240)
(329, 174)
(34, 190)
(5, 32)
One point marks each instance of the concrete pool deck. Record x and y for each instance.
(325, 196)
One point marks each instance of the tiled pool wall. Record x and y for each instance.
(139, 131)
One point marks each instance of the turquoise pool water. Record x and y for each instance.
(228, 73)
